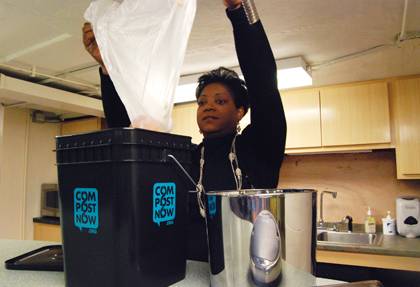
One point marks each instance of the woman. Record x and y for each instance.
(229, 160)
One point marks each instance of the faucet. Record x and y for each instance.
(321, 214)
(349, 220)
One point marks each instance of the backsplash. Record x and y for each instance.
(360, 179)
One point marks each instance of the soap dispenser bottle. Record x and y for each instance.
(370, 224)
(388, 224)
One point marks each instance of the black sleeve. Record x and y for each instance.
(115, 113)
(267, 131)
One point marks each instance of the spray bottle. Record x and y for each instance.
(370, 224)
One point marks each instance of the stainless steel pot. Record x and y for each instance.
(250, 232)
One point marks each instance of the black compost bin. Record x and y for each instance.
(123, 207)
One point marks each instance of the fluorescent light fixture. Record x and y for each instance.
(185, 93)
(291, 73)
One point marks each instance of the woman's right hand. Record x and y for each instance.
(232, 4)
(91, 46)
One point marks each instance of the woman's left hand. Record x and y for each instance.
(232, 4)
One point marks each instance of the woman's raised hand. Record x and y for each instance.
(232, 4)
(91, 46)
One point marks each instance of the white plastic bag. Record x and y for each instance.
(143, 43)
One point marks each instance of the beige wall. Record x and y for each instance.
(12, 173)
(40, 169)
(1, 123)
(360, 179)
(1, 133)
(26, 161)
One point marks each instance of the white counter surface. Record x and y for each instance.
(197, 272)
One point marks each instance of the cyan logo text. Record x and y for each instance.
(86, 214)
(164, 203)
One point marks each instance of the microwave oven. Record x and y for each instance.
(49, 200)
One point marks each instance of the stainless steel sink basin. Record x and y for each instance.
(349, 238)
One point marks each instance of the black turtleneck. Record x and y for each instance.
(260, 147)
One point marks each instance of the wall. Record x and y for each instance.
(40, 168)
(1, 134)
(360, 179)
(1, 123)
(12, 174)
(27, 160)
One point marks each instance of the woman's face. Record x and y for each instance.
(217, 113)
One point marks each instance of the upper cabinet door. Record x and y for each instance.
(303, 118)
(81, 126)
(408, 128)
(353, 115)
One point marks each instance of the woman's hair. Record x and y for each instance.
(231, 80)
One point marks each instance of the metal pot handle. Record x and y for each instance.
(201, 205)
(198, 186)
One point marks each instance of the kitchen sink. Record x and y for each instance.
(349, 238)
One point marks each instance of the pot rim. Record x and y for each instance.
(259, 192)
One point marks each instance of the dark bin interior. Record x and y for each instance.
(124, 207)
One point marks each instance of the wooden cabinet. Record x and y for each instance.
(369, 260)
(47, 232)
(303, 118)
(406, 105)
(355, 114)
(81, 126)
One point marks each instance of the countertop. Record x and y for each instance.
(47, 220)
(197, 272)
(393, 245)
